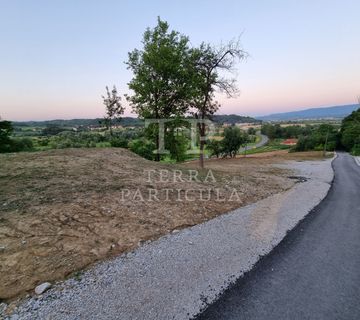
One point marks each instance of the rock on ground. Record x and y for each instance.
(42, 287)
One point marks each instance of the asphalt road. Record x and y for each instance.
(264, 140)
(314, 273)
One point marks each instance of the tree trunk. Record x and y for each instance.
(202, 144)
(201, 158)
(157, 116)
(157, 155)
(110, 128)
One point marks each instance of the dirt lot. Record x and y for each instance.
(62, 210)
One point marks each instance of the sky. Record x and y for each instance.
(56, 57)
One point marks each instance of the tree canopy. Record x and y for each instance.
(350, 132)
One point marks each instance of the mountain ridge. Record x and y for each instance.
(337, 112)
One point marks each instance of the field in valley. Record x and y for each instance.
(63, 210)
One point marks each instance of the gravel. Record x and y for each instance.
(357, 160)
(177, 275)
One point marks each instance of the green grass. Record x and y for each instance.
(273, 145)
(105, 144)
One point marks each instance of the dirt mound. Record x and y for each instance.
(62, 210)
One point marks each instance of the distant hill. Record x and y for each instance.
(126, 121)
(337, 112)
(233, 118)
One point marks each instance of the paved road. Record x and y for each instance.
(264, 140)
(314, 273)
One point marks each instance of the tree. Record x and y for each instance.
(268, 130)
(6, 129)
(177, 139)
(350, 132)
(113, 106)
(8, 144)
(207, 64)
(215, 147)
(246, 140)
(233, 140)
(324, 137)
(52, 130)
(160, 83)
(252, 131)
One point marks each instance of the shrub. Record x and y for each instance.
(119, 142)
(316, 139)
(6, 129)
(143, 148)
(350, 131)
(21, 144)
(215, 147)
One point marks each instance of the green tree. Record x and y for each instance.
(177, 139)
(252, 131)
(6, 129)
(52, 130)
(177, 143)
(269, 130)
(350, 132)
(215, 147)
(233, 140)
(322, 138)
(8, 144)
(160, 83)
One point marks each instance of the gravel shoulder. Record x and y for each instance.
(357, 160)
(177, 275)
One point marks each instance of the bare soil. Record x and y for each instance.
(63, 210)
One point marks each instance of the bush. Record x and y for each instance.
(68, 139)
(52, 130)
(21, 144)
(292, 131)
(325, 133)
(43, 142)
(119, 142)
(143, 148)
(356, 150)
(215, 147)
(6, 129)
(350, 131)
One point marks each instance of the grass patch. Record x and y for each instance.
(273, 145)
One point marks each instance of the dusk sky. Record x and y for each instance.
(56, 57)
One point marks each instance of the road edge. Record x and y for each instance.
(287, 234)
